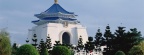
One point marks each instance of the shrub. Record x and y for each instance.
(135, 50)
(5, 46)
(27, 49)
(119, 53)
(61, 50)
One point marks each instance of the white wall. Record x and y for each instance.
(81, 31)
(55, 31)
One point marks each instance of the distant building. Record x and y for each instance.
(59, 24)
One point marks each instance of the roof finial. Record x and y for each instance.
(56, 1)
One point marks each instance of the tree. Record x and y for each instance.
(89, 46)
(99, 40)
(5, 46)
(27, 49)
(61, 50)
(119, 40)
(141, 44)
(27, 40)
(124, 41)
(137, 49)
(43, 48)
(35, 40)
(133, 37)
(80, 44)
(119, 53)
(48, 42)
(108, 37)
(14, 49)
(45, 52)
(57, 43)
(108, 41)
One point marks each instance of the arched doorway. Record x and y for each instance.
(66, 38)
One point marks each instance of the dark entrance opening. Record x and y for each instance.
(66, 38)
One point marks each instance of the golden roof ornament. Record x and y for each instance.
(56, 1)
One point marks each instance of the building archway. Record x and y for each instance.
(65, 38)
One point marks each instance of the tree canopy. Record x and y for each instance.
(119, 53)
(14, 49)
(5, 46)
(137, 49)
(118, 40)
(27, 49)
(61, 50)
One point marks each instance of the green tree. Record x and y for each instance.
(119, 40)
(57, 43)
(45, 51)
(89, 46)
(137, 49)
(48, 42)
(27, 49)
(133, 37)
(119, 53)
(43, 48)
(80, 44)
(124, 41)
(14, 49)
(61, 50)
(108, 41)
(141, 44)
(5, 46)
(99, 40)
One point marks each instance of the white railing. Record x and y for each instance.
(84, 53)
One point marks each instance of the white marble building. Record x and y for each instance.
(59, 24)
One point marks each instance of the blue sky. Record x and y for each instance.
(18, 14)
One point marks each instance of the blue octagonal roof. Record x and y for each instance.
(56, 8)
